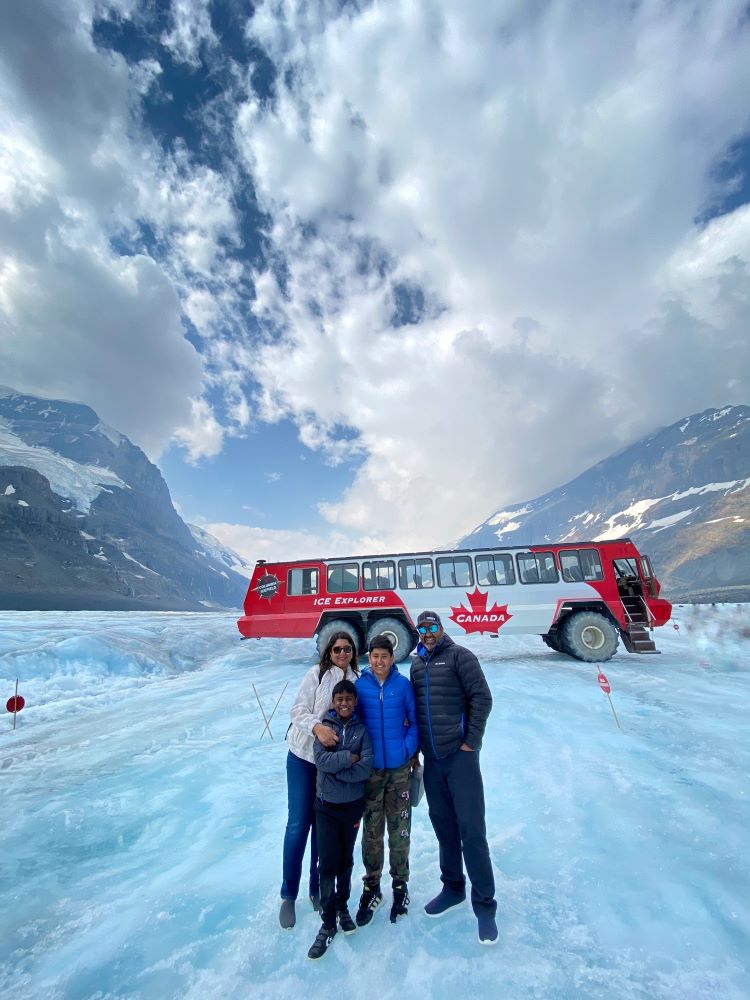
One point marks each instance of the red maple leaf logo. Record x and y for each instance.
(480, 618)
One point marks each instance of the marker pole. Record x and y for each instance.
(609, 697)
(15, 705)
(264, 716)
(270, 718)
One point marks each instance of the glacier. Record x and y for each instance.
(144, 812)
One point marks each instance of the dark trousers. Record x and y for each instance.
(300, 784)
(455, 796)
(337, 823)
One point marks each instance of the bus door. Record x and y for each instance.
(302, 599)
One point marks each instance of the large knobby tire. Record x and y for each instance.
(397, 631)
(553, 642)
(590, 636)
(330, 628)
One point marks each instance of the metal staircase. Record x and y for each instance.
(637, 637)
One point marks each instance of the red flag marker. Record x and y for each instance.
(15, 704)
(605, 686)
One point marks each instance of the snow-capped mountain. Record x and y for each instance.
(681, 494)
(87, 522)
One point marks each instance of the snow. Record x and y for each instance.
(9, 490)
(143, 820)
(666, 522)
(212, 548)
(625, 521)
(131, 559)
(76, 482)
(22, 503)
(506, 515)
(87, 536)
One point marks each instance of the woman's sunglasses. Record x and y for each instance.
(341, 649)
(424, 629)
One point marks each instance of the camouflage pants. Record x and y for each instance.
(387, 801)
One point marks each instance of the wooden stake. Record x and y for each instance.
(270, 718)
(15, 705)
(609, 698)
(264, 716)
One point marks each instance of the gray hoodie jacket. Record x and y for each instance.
(338, 779)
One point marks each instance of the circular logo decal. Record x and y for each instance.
(268, 586)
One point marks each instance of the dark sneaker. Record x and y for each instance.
(369, 902)
(321, 943)
(346, 923)
(287, 914)
(445, 900)
(400, 901)
(315, 900)
(487, 927)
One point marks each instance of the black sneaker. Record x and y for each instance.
(369, 902)
(321, 943)
(400, 901)
(346, 923)
(445, 900)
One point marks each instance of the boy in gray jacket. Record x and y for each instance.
(339, 804)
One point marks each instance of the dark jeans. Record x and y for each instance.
(455, 796)
(337, 825)
(300, 784)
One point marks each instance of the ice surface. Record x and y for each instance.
(143, 817)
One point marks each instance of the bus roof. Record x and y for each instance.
(437, 553)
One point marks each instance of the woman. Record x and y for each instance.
(338, 662)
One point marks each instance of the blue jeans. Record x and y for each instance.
(300, 784)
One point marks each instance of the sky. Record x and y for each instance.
(144, 808)
(356, 274)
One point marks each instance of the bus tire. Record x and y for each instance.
(589, 636)
(331, 628)
(553, 642)
(397, 631)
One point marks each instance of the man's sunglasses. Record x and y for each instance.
(341, 649)
(424, 629)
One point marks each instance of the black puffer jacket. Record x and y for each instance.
(453, 698)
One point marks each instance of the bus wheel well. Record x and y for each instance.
(330, 624)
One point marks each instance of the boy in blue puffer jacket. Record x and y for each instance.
(386, 705)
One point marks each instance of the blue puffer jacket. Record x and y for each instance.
(385, 711)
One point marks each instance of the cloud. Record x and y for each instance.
(535, 173)
(263, 543)
(87, 311)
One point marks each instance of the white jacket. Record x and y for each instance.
(311, 704)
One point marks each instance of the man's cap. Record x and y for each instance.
(429, 618)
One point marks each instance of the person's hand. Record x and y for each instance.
(355, 758)
(325, 734)
(465, 746)
(414, 762)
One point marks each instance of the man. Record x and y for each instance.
(453, 704)
(386, 706)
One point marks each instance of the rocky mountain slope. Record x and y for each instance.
(681, 493)
(87, 522)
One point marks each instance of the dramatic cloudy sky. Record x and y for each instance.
(358, 273)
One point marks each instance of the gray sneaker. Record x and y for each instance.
(287, 914)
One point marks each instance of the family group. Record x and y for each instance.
(354, 741)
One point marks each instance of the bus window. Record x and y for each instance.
(536, 567)
(495, 570)
(343, 579)
(415, 574)
(455, 572)
(379, 575)
(580, 565)
(302, 581)
(591, 564)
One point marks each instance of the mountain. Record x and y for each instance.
(681, 494)
(87, 522)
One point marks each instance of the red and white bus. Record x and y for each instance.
(580, 597)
